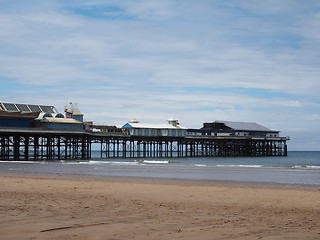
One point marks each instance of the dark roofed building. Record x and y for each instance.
(231, 128)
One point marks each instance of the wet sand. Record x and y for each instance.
(70, 208)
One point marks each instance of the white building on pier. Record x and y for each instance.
(171, 129)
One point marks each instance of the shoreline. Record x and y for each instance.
(56, 207)
(166, 180)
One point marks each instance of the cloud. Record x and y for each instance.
(96, 47)
(152, 9)
(197, 61)
(314, 117)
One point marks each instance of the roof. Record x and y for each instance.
(18, 115)
(18, 107)
(133, 120)
(153, 126)
(172, 119)
(246, 126)
(61, 120)
(43, 115)
(77, 112)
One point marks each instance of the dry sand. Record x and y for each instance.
(70, 208)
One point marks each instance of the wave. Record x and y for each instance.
(200, 165)
(118, 163)
(122, 163)
(242, 166)
(25, 162)
(298, 167)
(155, 162)
(135, 162)
(306, 167)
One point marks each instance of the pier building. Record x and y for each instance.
(231, 128)
(23, 115)
(171, 129)
(60, 123)
(38, 116)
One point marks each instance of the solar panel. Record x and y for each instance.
(47, 109)
(18, 107)
(23, 107)
(34, 108)
(10, 107)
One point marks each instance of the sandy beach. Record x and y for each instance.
(79, 208)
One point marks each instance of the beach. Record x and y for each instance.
(41, 207)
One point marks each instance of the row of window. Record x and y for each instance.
(158, 132)
(65, 126)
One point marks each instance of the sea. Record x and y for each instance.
(300, 169)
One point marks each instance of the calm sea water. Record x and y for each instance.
(298, 169)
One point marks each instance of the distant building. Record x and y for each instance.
(230, 128)
(105, 128)
(171, 129)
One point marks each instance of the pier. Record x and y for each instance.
(190, 146)
(50, 144)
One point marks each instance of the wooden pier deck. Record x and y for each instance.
(38, 144)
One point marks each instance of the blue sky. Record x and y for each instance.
(198, 61)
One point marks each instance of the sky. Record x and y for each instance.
(197, 61)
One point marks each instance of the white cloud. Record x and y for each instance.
(136, 58)
(151, 9)
(168, 59)
(314, 117)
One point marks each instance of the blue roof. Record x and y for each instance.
(127, 125)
